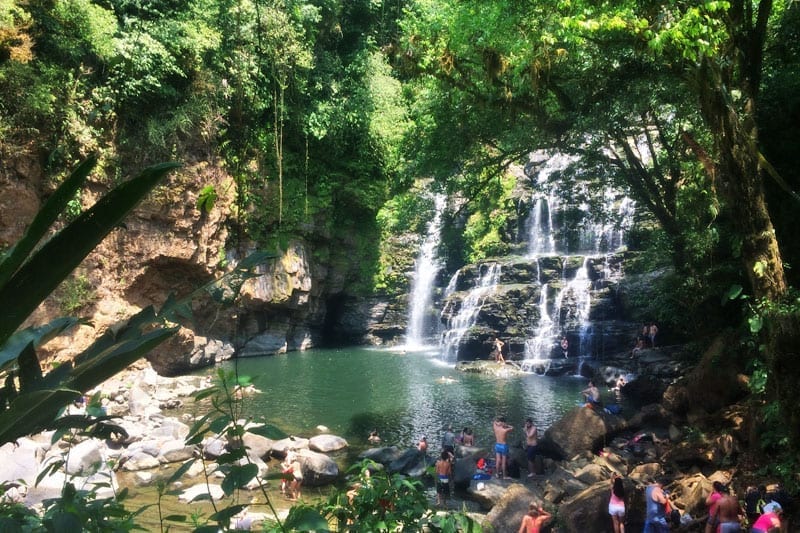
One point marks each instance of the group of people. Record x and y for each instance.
(724, 511)
(645, 339)
(763, 513)
(292, 476)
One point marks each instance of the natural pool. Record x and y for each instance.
(352, 390)
(404, 395)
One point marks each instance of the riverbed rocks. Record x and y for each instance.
(581, 429)
(149, 441)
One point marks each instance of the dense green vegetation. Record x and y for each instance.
(324, 113)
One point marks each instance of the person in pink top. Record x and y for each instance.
(711, 502)
(616, 504)
(769, 520)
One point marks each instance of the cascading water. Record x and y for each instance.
(460, 322)
(564, 305)
(425, 271)
(540, 237)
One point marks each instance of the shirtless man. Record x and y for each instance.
(591, 394)
(728, 513)
(531, 443)
(444, 471)
(501, 431)
(498, 350)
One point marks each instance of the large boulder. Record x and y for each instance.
(318, 468)
(581, 429)
(506, 515)
(84, 458)
(327, 443)
(588, 507)
(384, 455)
(280, 447)
(257, 445)
(412, 460)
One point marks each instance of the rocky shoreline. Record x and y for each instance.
(580, 452)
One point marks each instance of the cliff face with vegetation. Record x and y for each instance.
(170, 246)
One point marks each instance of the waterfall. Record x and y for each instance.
(580, 287)
(425, 270)
(539, 348)
(540, 237)
(460, 322)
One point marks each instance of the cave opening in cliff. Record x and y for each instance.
(334, 331)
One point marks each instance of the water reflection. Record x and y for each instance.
(402, 395)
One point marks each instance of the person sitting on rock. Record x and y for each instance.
(591, 395)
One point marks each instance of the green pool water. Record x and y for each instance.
(404, 395)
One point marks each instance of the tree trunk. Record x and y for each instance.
(740, 183)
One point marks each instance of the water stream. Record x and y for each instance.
(425, 270)
(460, 323)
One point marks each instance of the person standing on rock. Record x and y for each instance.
(531, 445)
(651, 333)
(564, 347)
(616, 504)
(501, 430)
(655, 510)
(444, 472)
(534, 520)
(497, 351)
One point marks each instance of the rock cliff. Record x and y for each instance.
(169, 246)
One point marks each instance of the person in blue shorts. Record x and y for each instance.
(501, 430)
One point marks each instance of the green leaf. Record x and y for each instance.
(303, 518)
(176, 518)
(206, 198)
(26, 288)
(734, 292)
(224, 515)
(36, 335)
(33, 412)
(755, 324)
(45, 218)
(30, 373)
(238, 477)
(180, 471)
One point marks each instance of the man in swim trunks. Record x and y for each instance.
(501, 430)
(444, 471)
(728, 512)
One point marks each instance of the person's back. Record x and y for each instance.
(655, 510)
(534, 520)
(728, 514)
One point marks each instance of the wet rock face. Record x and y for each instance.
(574, 296)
